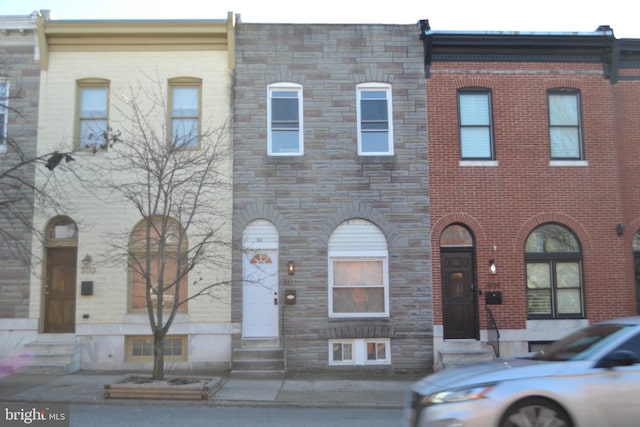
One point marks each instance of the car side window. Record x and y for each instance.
(632, 344)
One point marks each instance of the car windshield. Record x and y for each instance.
(581, 343)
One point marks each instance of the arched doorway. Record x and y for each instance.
(260, 280)
(459, 301)
(61, 256)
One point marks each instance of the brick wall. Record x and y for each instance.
(307, 197)
(503, 204)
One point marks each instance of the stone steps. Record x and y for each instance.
(461, 352)
(258, 359)
(52, 354)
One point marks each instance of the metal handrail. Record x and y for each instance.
(493, 333)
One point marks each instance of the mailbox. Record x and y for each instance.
(493, 298)
(289, 297)
(86, 288)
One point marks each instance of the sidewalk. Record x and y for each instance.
(86, 387)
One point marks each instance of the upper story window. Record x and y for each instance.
(184, 99)
(284, 120)
(375, 123)
(564, 125)
(4, 110)
(476, 133)
(554, 273)
(93, 112)
(358, 271)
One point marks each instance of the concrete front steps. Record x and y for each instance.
(52, 354)
(461, 352)
(258, 358)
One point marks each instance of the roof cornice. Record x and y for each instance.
(135, 35)
(599, 46)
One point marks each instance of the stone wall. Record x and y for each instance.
(20, 68)
(307, 197)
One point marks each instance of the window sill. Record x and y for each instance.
(285, 154)
(476, 163)
(377, 158)
(581, 163)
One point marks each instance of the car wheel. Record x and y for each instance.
(535, 413)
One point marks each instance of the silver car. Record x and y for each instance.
(591, 378)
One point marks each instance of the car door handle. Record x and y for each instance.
(275, 301)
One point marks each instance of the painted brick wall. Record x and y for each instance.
(307, 197)
(503, 204)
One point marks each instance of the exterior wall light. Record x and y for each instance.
(291, 268)
(492, 266)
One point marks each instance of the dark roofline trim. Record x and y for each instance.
(600, 46)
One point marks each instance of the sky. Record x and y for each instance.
(443, 15)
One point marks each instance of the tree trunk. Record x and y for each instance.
(158, 355)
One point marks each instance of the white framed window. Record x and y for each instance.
(476, 135)
(4, 113)
(93, 112)
(565, 131)
(184, 99)
(359, 351)
(285, 120)
(358, 271)
(375, 119)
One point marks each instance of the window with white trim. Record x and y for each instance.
(4, 113)
(476, 135)
(375, 119)
(564, 124)
(184, 98)
(93, 106)
(359, 351)
(358, 271)
(285, 120)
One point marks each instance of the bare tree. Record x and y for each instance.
(19, 193)
(179, 185)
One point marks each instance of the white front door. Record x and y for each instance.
(260, 294)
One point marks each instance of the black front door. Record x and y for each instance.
(459, 311)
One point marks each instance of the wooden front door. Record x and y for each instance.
(60, 291)
(459, 305)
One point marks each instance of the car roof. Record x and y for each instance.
(630, 320)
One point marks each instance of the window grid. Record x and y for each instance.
(185, 115)
(565, 132)
(285, 120)
(358, 287)
(553, 274)
(140, 348)
(476, 131)
(93, 115)
(375, 125)
(359, 351)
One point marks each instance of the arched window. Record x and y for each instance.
(455, 236)
(158, 257)
(62, 231)
(358, 271)
(554, 273)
